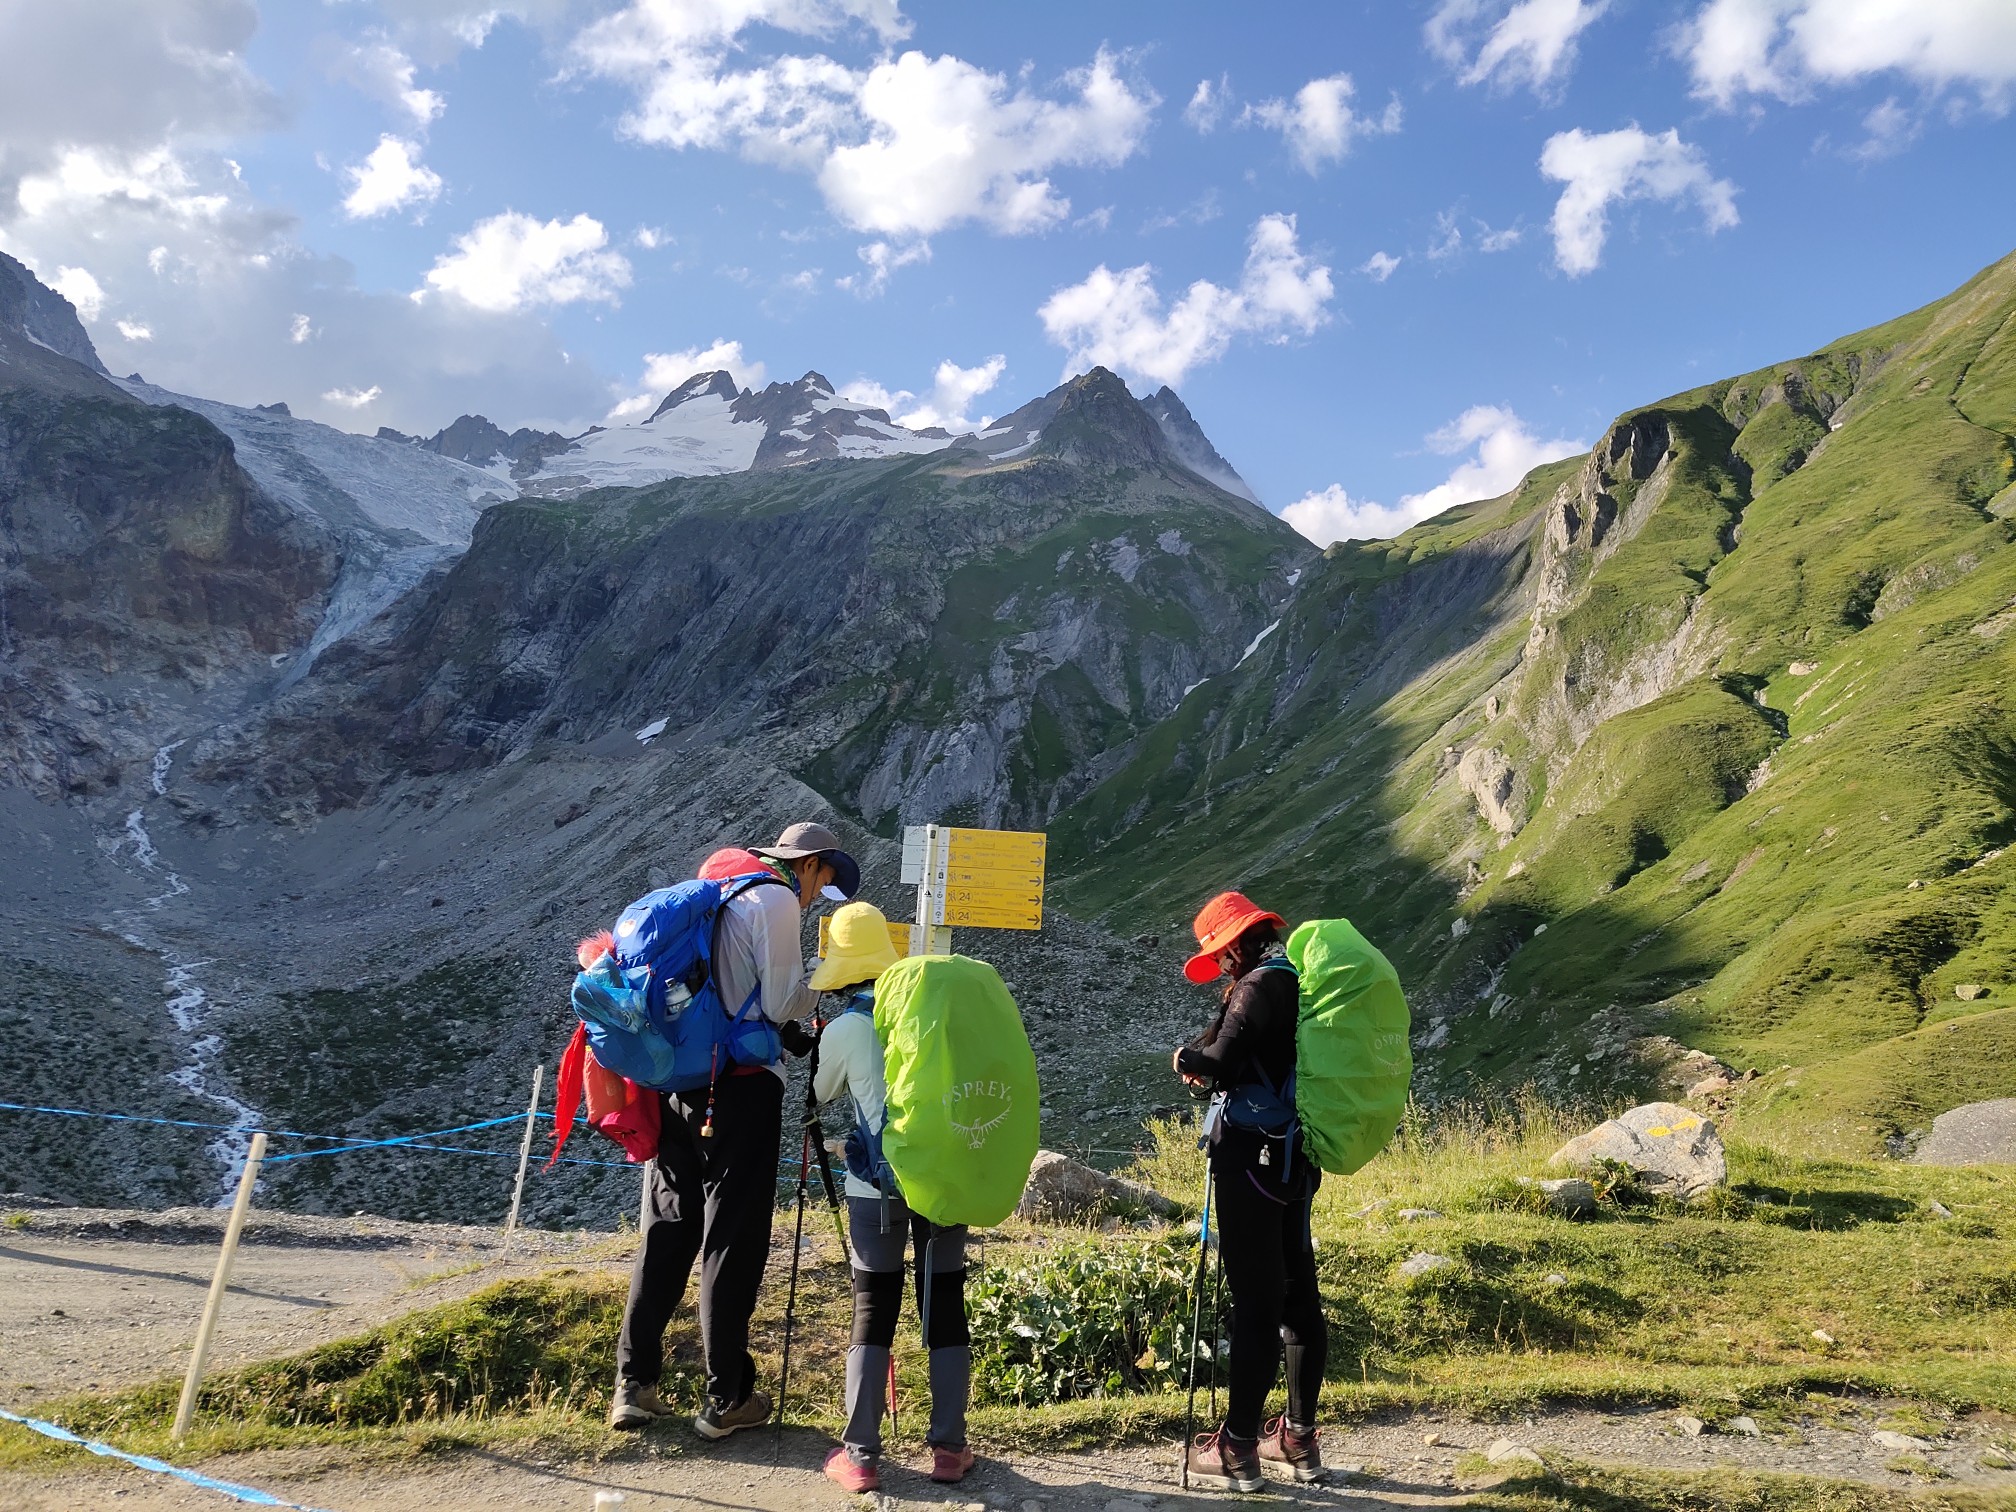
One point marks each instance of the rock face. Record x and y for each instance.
(1673, 1150)
(1061, 1190)
(43, 316)
(1982, 1133)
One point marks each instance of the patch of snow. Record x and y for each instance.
(1254, 644)
(795, 434)
(700, 438)
(1016, 451)
(652, 731)
(1193, 687)
(1294, 577)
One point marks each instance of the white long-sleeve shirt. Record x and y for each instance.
(850, 1061)
(761, 932)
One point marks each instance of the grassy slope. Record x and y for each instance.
(1818, 587)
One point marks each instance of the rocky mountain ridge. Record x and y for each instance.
(316, 855)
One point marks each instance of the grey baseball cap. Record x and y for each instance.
(809, 839)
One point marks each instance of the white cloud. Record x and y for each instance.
(121, 76)
(882, 260)
(1117, 320)
(1450, 237)
(1501, 449)
(1785, 48)
(1319, 123)
(948, 142)
(1612, 166)
(389, 179)
(953, 390)
(1530, 43)
(512, 261)
(650, 238)
(241, 311)
(354, 399)
(82, 290)
(903, 148)
(379, 68)
(1888, 129)
(1379, 266)
(1208, 104)
(134, 330)
(665, 371)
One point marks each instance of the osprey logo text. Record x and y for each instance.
(977, 1108)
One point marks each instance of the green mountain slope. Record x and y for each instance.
(1709, 734)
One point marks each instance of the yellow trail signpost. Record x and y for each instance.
(977, 879)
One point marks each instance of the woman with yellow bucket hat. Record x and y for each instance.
(858, 950)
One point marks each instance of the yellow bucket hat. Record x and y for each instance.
(858, 948)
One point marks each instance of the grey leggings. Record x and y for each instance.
(879, 1235)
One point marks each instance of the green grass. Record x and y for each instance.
(1712, 1308)
(1588, 1488)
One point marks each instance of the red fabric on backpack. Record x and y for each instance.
(617, 1107)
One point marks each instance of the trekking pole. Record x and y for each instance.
(1217, 1324)
(1197, 1325)
(791, 1300)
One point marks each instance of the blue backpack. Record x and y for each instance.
(653, 1007)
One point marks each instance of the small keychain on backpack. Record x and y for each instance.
(1266, 1153)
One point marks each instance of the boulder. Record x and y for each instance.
(1673, 1150)
(1422, 1263)
(1060, 1190)
(1566, 1196)
(1982, 1133)
(1970, 992)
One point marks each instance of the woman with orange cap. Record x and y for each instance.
(1265, 1182)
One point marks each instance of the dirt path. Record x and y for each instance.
(108, 1300)
(97, 1300)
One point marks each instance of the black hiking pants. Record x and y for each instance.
(711, 1199)
(1270, 1269)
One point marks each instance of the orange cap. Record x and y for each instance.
(1219, 923)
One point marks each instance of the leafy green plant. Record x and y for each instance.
(1084, 1319)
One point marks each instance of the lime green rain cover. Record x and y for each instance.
(1352, 1062)
(961, 1132)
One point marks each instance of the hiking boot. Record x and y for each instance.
(715, 1421)
(949, 1466)
(850, 1474)
(1292, 1449)
(636, 1405)
(1218, 1461)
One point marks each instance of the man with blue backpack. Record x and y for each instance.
(689, 1000)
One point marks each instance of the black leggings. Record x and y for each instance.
(1270, 1269)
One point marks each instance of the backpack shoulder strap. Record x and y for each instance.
(735, 888)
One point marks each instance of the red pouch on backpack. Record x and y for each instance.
(617, 1107)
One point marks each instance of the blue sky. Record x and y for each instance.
(1391, 255)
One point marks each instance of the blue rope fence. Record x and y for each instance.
(250, 1494)
(349, 1144)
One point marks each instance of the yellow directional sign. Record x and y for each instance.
(992, 879)
(899, 934)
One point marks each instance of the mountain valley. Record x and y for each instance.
(318, 751)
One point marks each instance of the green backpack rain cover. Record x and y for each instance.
(961, 1129)
(1352, 1061)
